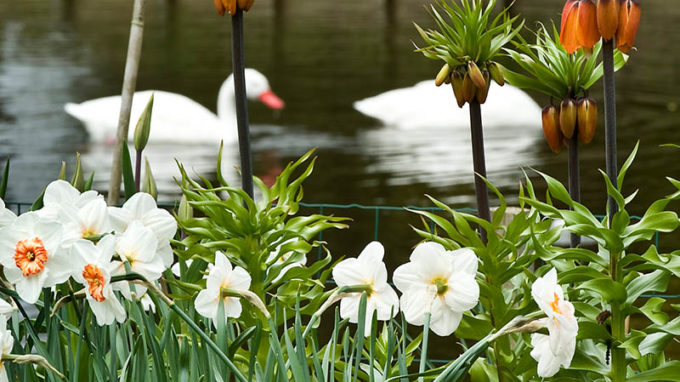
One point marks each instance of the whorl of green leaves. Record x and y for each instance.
(248, 232)
(467, 32)
(549, 69)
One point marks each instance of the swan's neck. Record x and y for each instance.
(226, 107)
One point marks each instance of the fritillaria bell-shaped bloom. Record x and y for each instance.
(439, 281)
(232, 5)
(367, 269)
(579, 25)
(551, 128)
(556, 349)
(607, 18)
(629, 20)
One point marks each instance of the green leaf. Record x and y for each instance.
(5, 178)
(653, 309)
(667, 372)
(632, 343)
(656, 281)
(654, 343)
(128, 174)
(608, 289)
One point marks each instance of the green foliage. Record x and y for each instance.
(551, 70)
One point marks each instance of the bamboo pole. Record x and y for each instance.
(134, 54)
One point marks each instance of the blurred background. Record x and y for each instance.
(320, 57)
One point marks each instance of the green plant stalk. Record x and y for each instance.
(479, 164)
(574, 181)
(610, 118)
(423, 352)
(138, 169)
(618, 321)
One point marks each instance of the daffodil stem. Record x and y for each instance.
(138, 169)
(134, 54)
(574, 181)
(610, 118)
(479, 164)
(238, 58)
(423, 352)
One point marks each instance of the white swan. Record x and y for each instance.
(176, 118)
(426, 105)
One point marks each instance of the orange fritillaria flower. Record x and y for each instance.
(629, 20)
(607, 18)
(232, 5)
(579, 25)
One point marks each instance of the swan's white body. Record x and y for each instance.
(426, 105)
(175, 118)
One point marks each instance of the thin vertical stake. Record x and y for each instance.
(238, 59)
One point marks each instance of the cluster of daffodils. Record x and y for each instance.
(76, 235)
(585, 21)
(572, 117)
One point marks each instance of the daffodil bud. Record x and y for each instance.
(469, 88)
(482, 93)
(551, 128)
(476, 75)
(149, 184)
(607, 18)
(443, 74)
(496, 72)
(629, 20)
(78, 180)
(184, 212)
(143, 127)
(587, 119)
(457, 85)
(568, 117)
(62, 172)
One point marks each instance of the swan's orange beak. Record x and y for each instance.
(271, 100)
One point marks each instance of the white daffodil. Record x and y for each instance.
(92, 268)
(142, 208)
(147, 303)
(92, 219)
(60, 194)
(6, 345)
(7, 217)
(298, 260)
(31, 254)
(137, 246)
(557, 349)
(222, 276)
(367, 269)
(441, 280)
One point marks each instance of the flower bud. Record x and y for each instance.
(184, 212)
(457, 85)
(551, 128)
(444, 72)
(587, 119)
(568, 117)
(245, 4)
(469, 88)
(481, 93)
(232, 5)
(629, 20)
(62, 172)
(496, 72)
(607, 18)
(476, 75)
(588, 34)
(78, 180)
(143, 127)
(149, 184)
(569, 26)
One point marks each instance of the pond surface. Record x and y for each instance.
(320, 57)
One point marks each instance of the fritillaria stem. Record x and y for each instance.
(574, 182)
(134, 55)
(610, 118)
(238, 58)
(479, 164)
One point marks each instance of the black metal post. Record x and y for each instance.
(610, 118)
(237, 57)
(574, 182)
(479, 163)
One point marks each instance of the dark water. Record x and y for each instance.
(320, 57)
